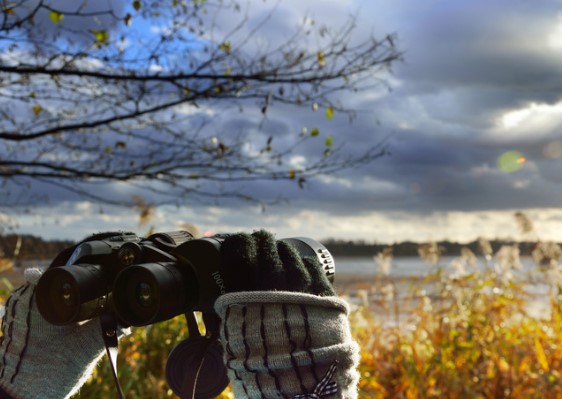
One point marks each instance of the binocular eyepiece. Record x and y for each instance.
(145, 281)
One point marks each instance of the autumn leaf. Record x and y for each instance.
(314, 132)
(268, 147)
(37, 109)
(101, 36)
(329, 141)
(137, 5)
(56, 16)
(292, 174)
(128, 19)
(226, 47)
(144, 208)
(329, 113)
(321, 58)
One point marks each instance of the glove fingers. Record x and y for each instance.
(271, 272)
(241, 269)
(260, 262)
(320, 283)
(298, 277)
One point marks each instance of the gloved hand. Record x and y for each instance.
(259, 262)
(41, 360)
(38, 359)
(284, 332)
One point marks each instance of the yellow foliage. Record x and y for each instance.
(479, 342)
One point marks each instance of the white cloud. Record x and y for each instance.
(83, 206)
(554, 39)
(521, 184)
(155, 68)
(297, 161)
(336, 181)
(535, 119)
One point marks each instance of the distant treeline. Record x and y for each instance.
(409, 248)
(37, 248)
(31, 247)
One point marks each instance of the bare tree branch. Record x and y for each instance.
(86, 98)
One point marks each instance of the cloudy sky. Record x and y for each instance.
(472, 123)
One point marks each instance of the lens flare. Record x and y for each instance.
(553, 150)
(511, 161)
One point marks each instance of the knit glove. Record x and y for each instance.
(285, 333)
(38, 359)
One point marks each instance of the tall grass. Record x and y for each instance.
(475, 335)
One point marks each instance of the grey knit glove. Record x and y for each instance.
(38, 359)
(280, 343)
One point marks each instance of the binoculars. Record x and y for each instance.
(145, 281)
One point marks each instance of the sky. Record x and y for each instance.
(472, 122)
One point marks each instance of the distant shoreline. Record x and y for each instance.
(351, 249)
(33, 247)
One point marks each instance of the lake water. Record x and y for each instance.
(408, 266)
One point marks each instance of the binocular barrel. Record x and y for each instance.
(147, 293)
(157, 288)
(68, 294)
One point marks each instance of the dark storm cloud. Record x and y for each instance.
(489, 47)
(473, 36)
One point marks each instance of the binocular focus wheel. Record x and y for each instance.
(195, 367)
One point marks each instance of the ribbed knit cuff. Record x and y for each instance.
(288, 345)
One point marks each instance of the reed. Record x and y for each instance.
(476, 335)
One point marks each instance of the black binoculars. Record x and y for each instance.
(145, 281)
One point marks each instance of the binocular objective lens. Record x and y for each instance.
(145, 294)
(67, 297)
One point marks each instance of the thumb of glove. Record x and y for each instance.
(38, 359)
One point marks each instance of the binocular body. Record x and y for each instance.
(145, 281)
